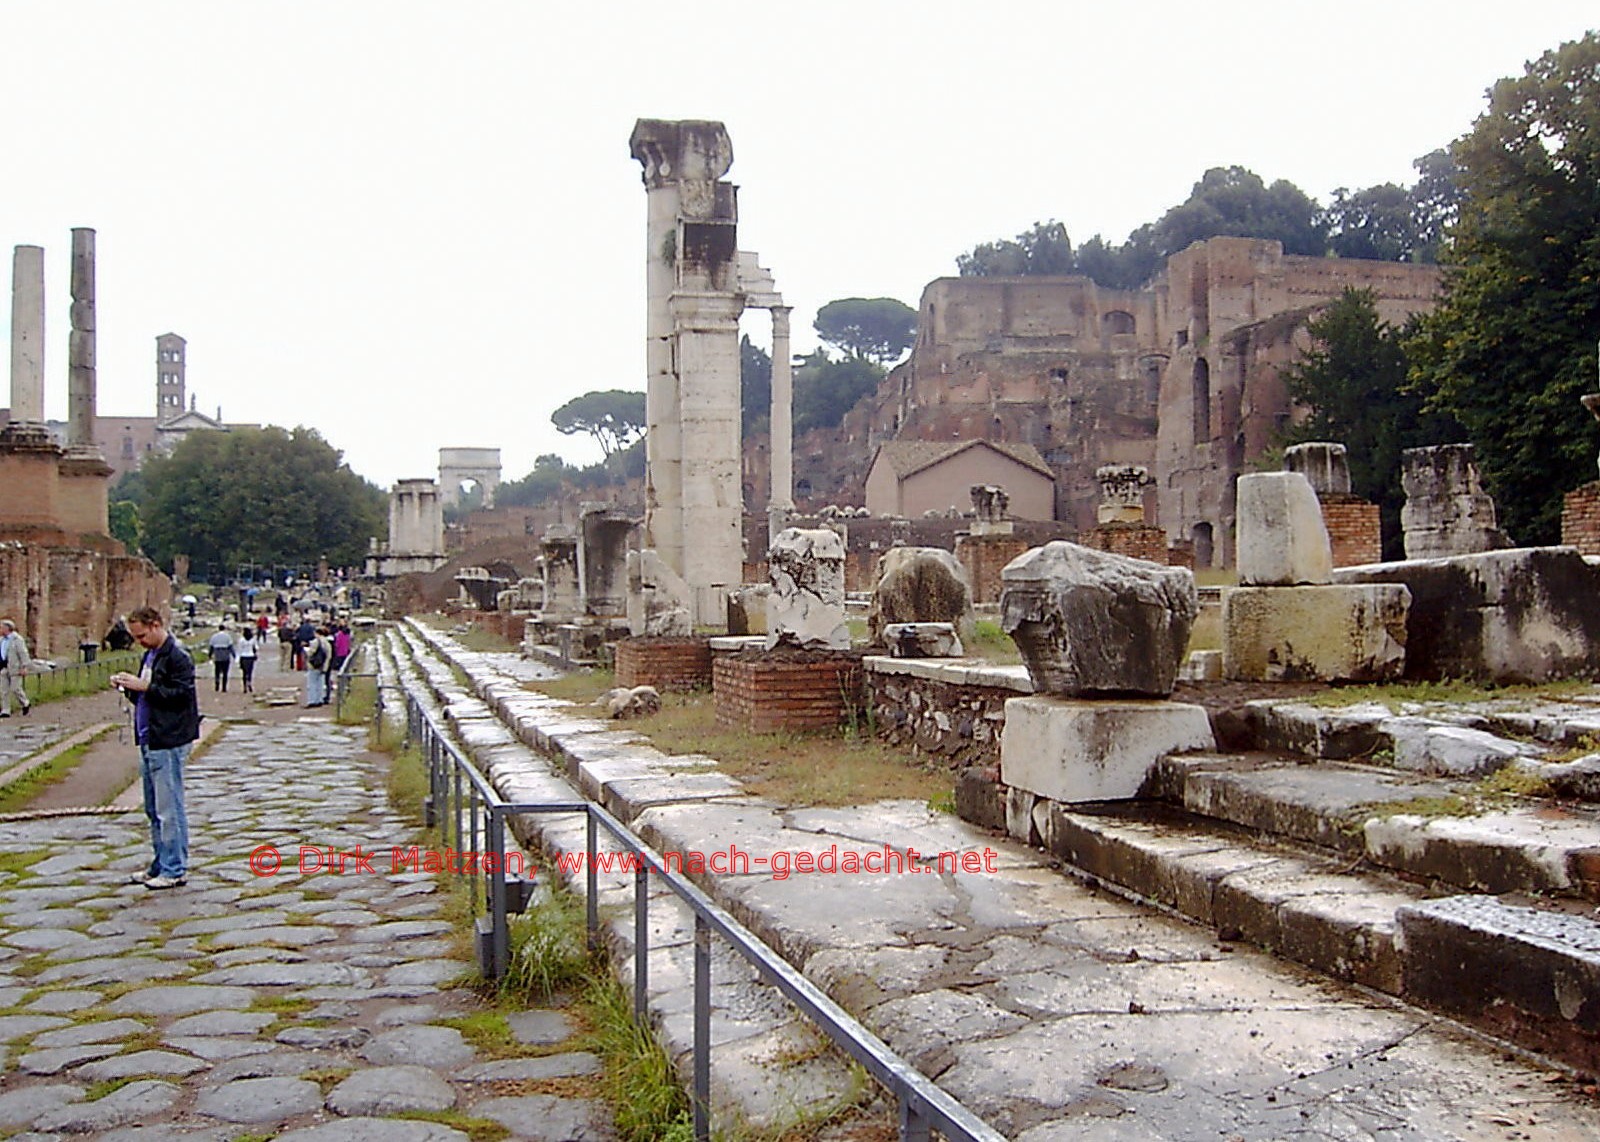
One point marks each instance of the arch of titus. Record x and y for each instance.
(698, 282)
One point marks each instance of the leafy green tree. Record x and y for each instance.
(877, 329)
(1043, 249)
(258, 495)
(614, 417)
(123, 517)
(755, 387)
(1512, 345)
(1127, 266)
(1353, 381)
(826, 389)
(539, 486)
(1377, 222)
(1232, 201)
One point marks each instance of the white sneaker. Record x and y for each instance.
(166, 881)
(137, 878)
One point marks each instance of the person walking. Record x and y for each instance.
(245, 652)
(263, 624)
(341, 644)
(318, 654)
(166, 722)
(285, 643)
(14, 660)
(221, 645)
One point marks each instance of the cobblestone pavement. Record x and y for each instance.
(301, 1006)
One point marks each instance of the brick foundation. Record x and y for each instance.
(983, 556)
(665, 663)
(1135, 540)
(1580, 519)
(1354, 530)
(767, 692)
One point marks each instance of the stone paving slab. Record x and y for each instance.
(1186, 1036)
(229, 1002)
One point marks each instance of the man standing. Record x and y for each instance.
(13, 665)
(166, 722)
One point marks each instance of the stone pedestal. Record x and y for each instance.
(1069, 750)
(806, 607)
(1447, 512)
(1281, 540)
(1324, 634)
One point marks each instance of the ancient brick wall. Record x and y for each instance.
(794, 690)
(1354, 530)
(1135, 540)
(665, 663)
(60, 596)
(1580, 519)
(984, 556)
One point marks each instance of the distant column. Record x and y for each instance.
(780, 505)
(27, 335)
(81, 346)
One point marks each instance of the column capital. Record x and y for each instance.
(681, 150)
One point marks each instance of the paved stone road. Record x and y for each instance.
(306, 1007)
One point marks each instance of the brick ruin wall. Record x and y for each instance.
(1580, 519)
(60, 597)
(1354, 530)
(665, 663)
(795, 691)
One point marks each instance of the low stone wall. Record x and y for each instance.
(770, 691)
(952, 711)
(1580, 519)
(665, 663)
(1354, 530)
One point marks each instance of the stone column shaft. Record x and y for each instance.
(664, 435)
(27, 335)
(81, 346)
(781, 422)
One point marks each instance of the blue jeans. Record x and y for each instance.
(162, 771)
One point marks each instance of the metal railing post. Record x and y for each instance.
(702, 1029)
(497, 896)
(641, 943)
(591, 884)
(913, 1123)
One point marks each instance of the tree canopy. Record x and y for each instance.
(877, 329)
(614, 417)
(755, 387)
(825, 389)
(258, 495)
(1042, 249)
(1353, 382)
(1512, 345)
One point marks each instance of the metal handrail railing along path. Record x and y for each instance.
(458, 789)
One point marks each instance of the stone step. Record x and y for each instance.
(1444, 831)
(1530, 975)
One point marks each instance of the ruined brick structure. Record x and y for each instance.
(1180, 376)
(1580, 518)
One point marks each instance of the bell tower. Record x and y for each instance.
(170, 353)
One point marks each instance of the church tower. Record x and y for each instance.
(170, 353)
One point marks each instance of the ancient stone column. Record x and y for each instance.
(27, 335)
(693, 502)
(781, 504)
(1325, 464)
(1447, 511)
(81, 346)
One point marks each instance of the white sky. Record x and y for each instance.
(413, 225)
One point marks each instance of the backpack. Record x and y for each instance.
(319, 657)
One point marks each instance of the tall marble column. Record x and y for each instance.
(81, 348)
(780, 505)
(27, 335)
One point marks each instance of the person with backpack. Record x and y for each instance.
(221, 645)
(318, 655)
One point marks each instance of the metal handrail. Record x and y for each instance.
(451, 776)
(96, 672)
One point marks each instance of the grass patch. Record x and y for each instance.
(328, 1077)
(1513, 781)
(73, 680)
(489, 1033)
(283, 1006)
(822, 768)
(94, 1092)
(991, 643)
(1451, 691)
(16, 795)
(484, 640)
(477, 1129)
(17, 864)
(548, 948)
(360, 705)
(1206, 634)
(1450, 805)
(581, 687)
(1586, 745)
(638, 1078)
(408, 782)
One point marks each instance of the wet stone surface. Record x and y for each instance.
(306, 1005)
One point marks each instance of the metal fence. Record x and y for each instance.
(78, 677)
(467, 809)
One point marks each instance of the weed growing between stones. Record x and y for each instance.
(327, 1078)
(580, 686)
(549, 948)
(477, 1129)
(639, 1080)
(1454, 691)
(991, 643)
(16, 864)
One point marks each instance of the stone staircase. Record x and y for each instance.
(1441, 888)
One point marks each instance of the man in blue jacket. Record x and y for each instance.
(166, 720)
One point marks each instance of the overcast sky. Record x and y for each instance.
(413, 225)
